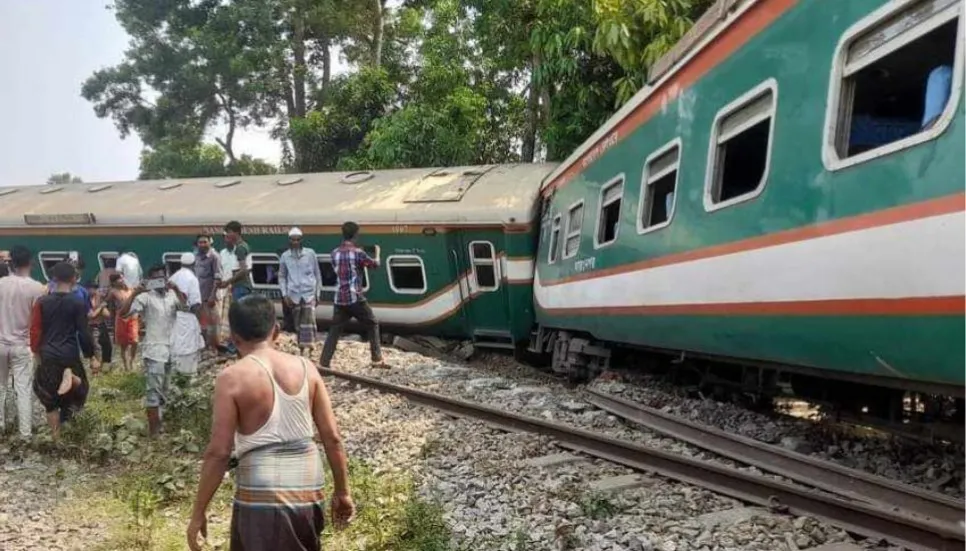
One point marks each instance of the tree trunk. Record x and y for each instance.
(378, 30)
(533, 115)
(299, 68)
(228, 143)
(326, 62)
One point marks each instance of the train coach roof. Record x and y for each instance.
(468, 194)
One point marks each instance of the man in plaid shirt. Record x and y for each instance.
(349, 262)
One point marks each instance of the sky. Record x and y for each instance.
(49, 48)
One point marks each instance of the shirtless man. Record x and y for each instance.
(125, 329)
(268, 405)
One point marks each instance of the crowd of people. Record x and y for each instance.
(267, 405)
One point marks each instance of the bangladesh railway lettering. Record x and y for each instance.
(251, 230)
(599, 149)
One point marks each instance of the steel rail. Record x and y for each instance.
(912, 532)
(811, 471)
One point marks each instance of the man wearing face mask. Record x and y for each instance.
(158, 303)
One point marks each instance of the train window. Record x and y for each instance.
(609, 211)
(554, 240)
(107, 261)
(575, 221)
(407, 275)
(741, 148)
(484, 266)
(329, 279)
(48, 259)
(172, 263)
(327, 271)
(658, 187)
(265, 268)
(893, 83)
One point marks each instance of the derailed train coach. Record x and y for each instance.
(456, 244)
(786, 192)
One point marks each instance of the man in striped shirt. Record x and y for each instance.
(349, 262)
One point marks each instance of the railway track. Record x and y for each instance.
(824, 475)
(867, 519)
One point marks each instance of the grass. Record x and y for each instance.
(144, 489)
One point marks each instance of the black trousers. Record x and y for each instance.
(343, 314)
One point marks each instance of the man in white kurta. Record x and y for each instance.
(186, 338)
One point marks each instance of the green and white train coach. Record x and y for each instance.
(787, 191)
(456, 244)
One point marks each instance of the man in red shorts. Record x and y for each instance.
(126, 330)
(208, 271)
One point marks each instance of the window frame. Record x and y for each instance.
(492, 260)
(102, 254)
(618, 180)
(734, 106)
(392, 284)
(40, 260)
(834, 103)
(253, 258)
(327, 257)
(567, 235)
(647, 181)
(553, 252)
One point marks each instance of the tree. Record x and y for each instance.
(63, 178)
(636, 33)
(170, 159)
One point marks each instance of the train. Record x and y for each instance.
(782, 204)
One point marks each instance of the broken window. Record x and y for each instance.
(658, 187)
(575, 221)
(741, 147)
(897, 77)
(609, 215)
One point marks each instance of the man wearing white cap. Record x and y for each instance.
(186, 339)
(300, 282)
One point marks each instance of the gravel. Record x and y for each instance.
(494, 498)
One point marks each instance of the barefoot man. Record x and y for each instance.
(59, 332)
(268, 405)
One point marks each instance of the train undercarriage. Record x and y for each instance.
(914, 409)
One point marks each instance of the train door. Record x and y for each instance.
(486, 303)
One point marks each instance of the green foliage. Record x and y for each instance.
(335, 130)
(173, 160)
(636, 33)
(431, 82)
(63, 178)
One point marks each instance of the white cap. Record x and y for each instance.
(187, 259)
(295, 232)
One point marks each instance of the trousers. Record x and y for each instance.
(19, 361)
(342, 314)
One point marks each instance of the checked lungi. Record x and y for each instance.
(304, 314)
(279, 498)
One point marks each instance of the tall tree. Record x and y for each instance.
(63, 178)
(177, 160)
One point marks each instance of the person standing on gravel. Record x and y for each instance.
(59, 333)
(18, 293)
(300, 281)
(157, 303)
(268, 405)
(349, 262)
(239, 282)
(208, 271)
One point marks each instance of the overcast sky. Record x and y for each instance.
(49, 48)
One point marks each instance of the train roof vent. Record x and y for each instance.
(51, 189)
(357, 177)
(446, 184)
(8, 191)
(95, 189)
(227, 183)
(288, 181)
(170, 185)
